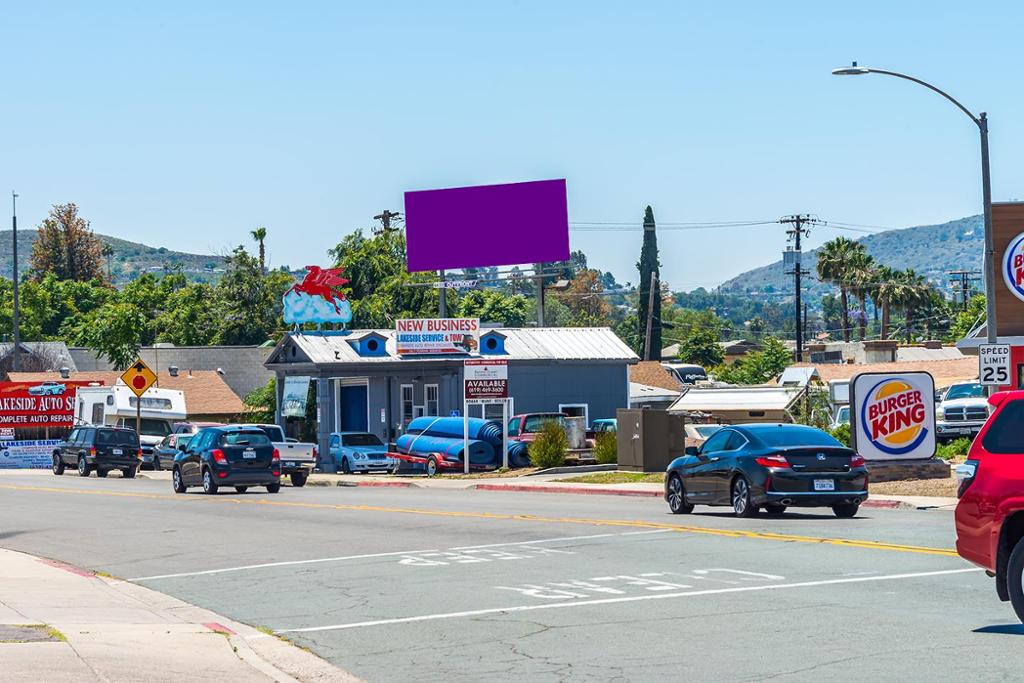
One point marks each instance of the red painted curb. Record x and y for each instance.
(219, 628)
(881, 503)
(378, 484)
(567, 489)
(67, 567)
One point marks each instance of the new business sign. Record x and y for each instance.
(485, 378)
(487, 225)
(436, 336)
(39, 404)
(893, 415)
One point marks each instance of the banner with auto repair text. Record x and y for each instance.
(38, 404)
(16, 455)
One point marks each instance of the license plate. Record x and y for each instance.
(966, 430)
(249, 454)
(824, 485)
(118, 451)
(289, 464)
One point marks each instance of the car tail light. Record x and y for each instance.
(218, 456)
(92, 451)
(275, 473)
(138, 454)
(774, 460)
(856, 460)
(965, 475)
(276, 457)
(222, 474)
(315, 452)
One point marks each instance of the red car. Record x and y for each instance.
(990, 514)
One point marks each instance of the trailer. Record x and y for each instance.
(117, 406)
(435, 462)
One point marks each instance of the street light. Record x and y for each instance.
(981, 121)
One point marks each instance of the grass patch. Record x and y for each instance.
(55, 634)
(618, 478)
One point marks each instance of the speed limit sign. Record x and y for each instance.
(994, 364)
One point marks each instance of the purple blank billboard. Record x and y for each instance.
(487, 225)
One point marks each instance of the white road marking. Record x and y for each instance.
(292, 563)
(611, 601)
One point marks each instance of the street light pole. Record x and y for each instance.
(15, 364)
(981, 121)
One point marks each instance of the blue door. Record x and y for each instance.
(353, 409)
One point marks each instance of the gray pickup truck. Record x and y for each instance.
(297, 459)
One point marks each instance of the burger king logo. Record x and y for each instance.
(893, 416)
(1013, 266)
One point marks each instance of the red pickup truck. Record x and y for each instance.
(526, 427)
(990, 514)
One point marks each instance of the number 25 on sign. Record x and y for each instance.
(994, 364)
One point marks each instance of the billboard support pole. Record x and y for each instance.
(465, 436)
(442, 301)
(504, 433)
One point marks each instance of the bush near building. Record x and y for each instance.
(550, 446)
(606, 449)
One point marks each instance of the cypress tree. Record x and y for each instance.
(647, 266)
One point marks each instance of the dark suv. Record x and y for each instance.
(236, 456)
(101, 449)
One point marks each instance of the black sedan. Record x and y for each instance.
(228, 456)
(770, 466)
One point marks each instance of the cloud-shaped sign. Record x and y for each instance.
(300, 307)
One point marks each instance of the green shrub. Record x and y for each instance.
(606, 449)
(841, 434)
(550, 446)
(952, 450)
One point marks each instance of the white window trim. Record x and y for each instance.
(586, 411)
(401, 402)
(437, 399)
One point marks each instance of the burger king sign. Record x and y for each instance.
(893, 415)
(1013, 266)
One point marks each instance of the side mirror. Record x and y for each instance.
(183, 447)
(692, 450)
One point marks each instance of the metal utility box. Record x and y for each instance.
(648, 440)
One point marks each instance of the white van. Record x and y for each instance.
(116, 406)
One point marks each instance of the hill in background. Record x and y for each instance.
(129, 260)
(931, 250)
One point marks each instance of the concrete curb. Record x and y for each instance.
(574, 470)
(598, 491)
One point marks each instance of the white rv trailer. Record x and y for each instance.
(116, 406)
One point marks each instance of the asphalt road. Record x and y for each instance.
(403, 584)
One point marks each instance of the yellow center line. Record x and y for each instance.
(637, 524)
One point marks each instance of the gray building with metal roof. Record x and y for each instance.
(362, 384)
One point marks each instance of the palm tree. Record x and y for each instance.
(260, 234)
(861, 276)
(886, 292)
(915, 293)
(833, 267)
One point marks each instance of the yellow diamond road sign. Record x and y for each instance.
(138, 377)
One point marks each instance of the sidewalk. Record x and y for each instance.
(60, 623)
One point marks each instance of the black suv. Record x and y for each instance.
(99, 448)
(236, 456)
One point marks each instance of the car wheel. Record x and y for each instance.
(741, 503)
(431, 466)
(846, 510)
(102, 474)
(677, 497)
(156, 464)
(273, 488)
(83, 467)
(58, 465)
(241, 489)
(774, 509)
(178, 482)
(299, 479)
(1015, 579)
(345, 467)
(209, 485)
(128, 473)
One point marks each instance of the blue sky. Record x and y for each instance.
(185, 125)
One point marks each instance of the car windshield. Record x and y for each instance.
(784, 436)
(361, 440)
(535, 422)
(965, 391)
(707, 430)
(116, 437)
(182, 441)
(245, 439)
(843, 417)
(150, 426)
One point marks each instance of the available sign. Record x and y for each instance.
(27, 454)
(994, 364)
(485, 379)
(436, 336)
(893, 415)
(42, 404)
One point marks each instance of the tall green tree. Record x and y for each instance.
(260, 234)
(249, 302)
(758, 367)
(833, 267)
(114, 331)
(649, 268)
(494, 306)
(67, 247)
(860, 274)
(700, 347)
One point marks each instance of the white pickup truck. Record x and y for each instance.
(297, 459)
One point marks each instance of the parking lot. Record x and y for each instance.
(396, 584)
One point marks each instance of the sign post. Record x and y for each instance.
(994, 364)
(485, 381)
(139, 378)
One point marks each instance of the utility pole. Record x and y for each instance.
(385, 217)
(539, 269)
(650, 317)
(792, 257)
(15, 364)
(442, 297)
(964, 278)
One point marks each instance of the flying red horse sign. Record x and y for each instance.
(317, 299)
